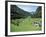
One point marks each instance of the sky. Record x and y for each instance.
(28, 8)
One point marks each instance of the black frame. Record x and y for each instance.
(6, 18)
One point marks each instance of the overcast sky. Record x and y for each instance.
(28, 8)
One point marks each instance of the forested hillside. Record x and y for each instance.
(18, 13)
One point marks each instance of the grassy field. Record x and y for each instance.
(24, 25)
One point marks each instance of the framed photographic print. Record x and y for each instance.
(24, 18)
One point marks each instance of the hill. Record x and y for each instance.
(17, 13)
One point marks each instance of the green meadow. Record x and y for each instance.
(25, 25)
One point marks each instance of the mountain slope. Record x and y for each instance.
(17, 13)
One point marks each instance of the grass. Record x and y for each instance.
(24, 25)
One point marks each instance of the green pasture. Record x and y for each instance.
(24, 25)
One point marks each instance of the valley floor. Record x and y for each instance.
(21, 25)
